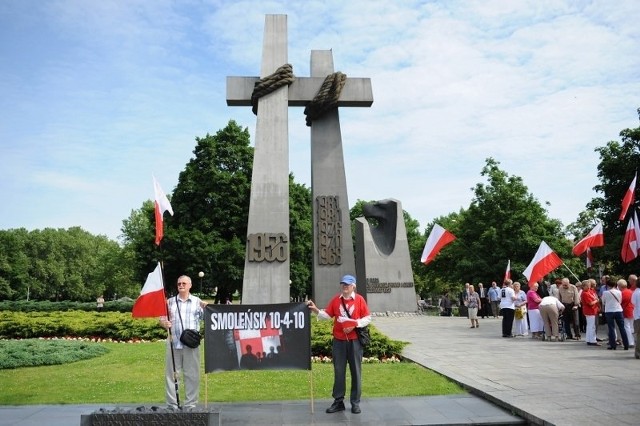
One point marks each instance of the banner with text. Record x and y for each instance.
(254, 337)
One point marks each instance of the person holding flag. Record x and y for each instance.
(185, 311)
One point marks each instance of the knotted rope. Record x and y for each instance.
(327, 97)
(282, 77)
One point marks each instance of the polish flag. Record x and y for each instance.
(151, 302)
(595, 238)
(629, 244)
(438, 238)
(628, 197)
(162, 205)
(507, 273)
(545, 261)
(589, 258)
(636, 228)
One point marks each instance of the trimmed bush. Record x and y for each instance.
(104, 325)
(35, 352)
(47, 306)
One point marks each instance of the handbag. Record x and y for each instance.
(362, 332)
(363, 336)
(188, 337)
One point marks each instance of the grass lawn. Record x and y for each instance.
(134, 373)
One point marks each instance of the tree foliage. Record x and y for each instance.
(209, 227)
(301, 237)
(62, 264)
(618, 162)
(211, 205)
(503, 222)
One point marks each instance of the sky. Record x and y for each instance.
(98, 97)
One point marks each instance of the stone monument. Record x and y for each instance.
(383, 259)
(266, 273)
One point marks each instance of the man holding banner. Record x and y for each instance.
(349, 311)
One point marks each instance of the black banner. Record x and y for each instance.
(254, 337)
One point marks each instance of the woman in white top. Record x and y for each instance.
(611, 300)
(520, 323)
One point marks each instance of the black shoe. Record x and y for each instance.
(355, 409)
(335, 407)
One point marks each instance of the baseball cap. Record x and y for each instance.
(348, 279)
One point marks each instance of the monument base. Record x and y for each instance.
(150, 416)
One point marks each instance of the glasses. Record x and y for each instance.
(182, 283)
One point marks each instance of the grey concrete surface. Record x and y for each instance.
(463, 409)
(559, 383)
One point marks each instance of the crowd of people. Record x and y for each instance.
(549, 310)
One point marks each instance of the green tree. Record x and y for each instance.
(138, 236)
(211, 203)
(60, 264)
(504, 221)
(618, 163)
(301, 237)
(209, 227)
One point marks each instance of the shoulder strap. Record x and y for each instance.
(345, 306)
(614, 296)
(179, 314)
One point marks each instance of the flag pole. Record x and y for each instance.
(173, 355)
(311, 386)
(565, 265)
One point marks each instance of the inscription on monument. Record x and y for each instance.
(329, 230)
(375, 286)
(267, 246)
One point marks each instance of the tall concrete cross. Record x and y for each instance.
(266, 273)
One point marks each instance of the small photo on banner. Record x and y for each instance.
(253, 337)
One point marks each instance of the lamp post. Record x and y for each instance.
(201, 274)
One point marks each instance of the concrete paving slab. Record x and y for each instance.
(547, 383)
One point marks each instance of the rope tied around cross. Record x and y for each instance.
(327, 97)
(324, 101)
(283, 76)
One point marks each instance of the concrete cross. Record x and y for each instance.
(266, 273)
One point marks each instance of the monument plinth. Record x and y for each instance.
(382, 257)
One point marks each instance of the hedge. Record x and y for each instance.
(122, 326)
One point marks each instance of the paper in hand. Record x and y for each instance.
(347, 322)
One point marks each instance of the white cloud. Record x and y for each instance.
(115, 91)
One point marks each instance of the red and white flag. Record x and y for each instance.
(151, 302)
(595, 238)
(438, 238)
(628, 198)
(545, 261)
(507, 273)
(630, 243)
(252, 341)
(636, 228)
(162, 205)
(589, 258)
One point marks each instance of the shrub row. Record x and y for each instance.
(48, 306)
(106, 325)
(121, 326)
